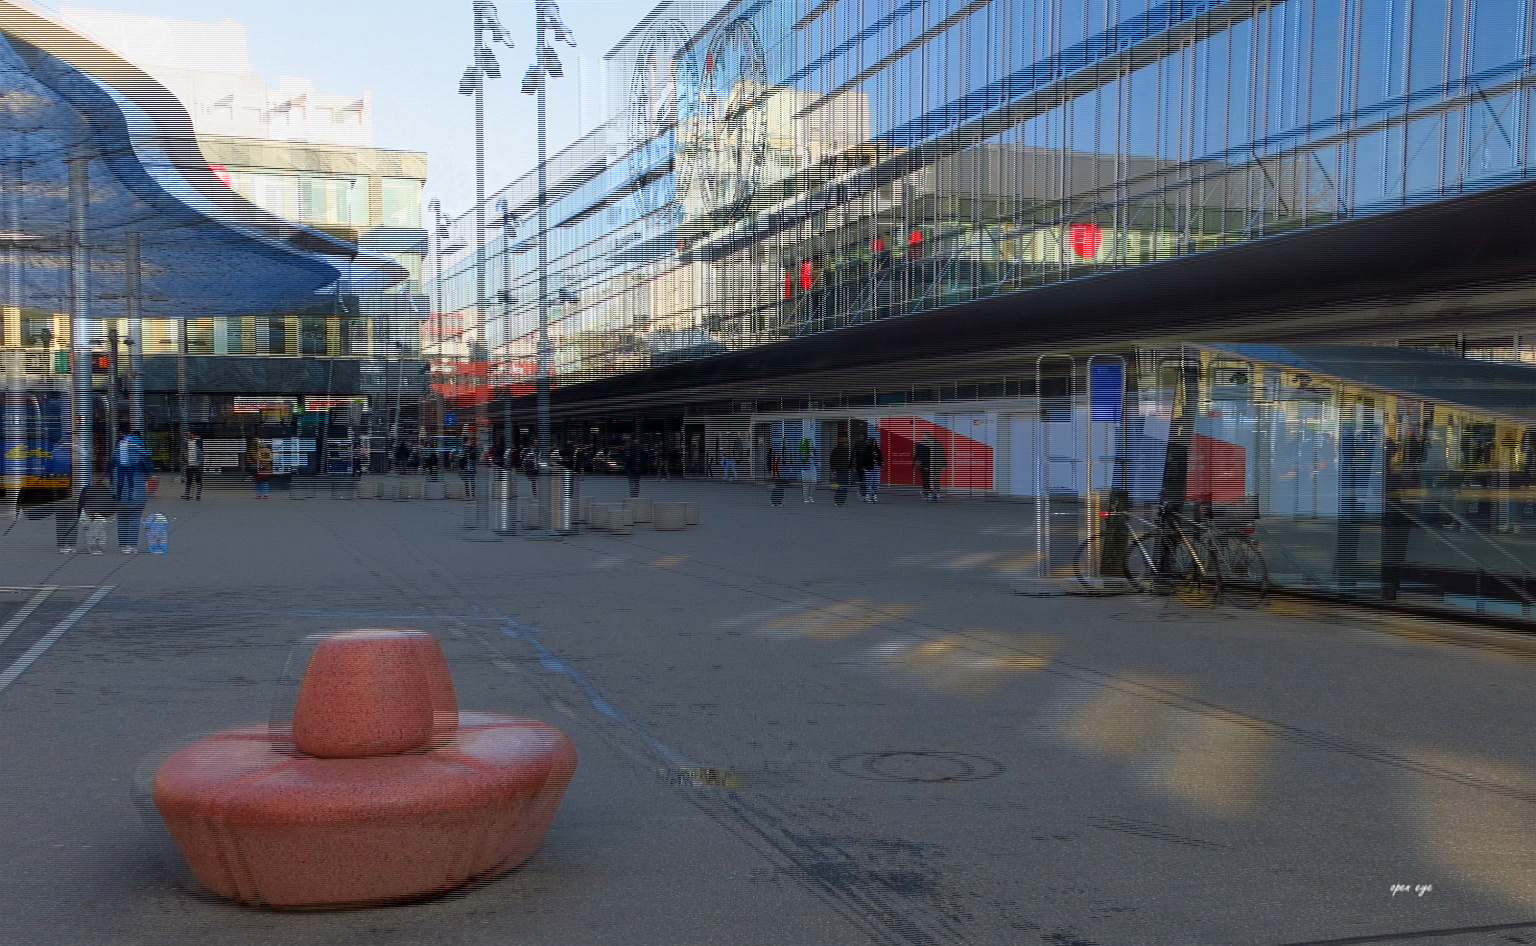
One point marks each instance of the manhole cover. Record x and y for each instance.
(1174, 617)
(918, 766)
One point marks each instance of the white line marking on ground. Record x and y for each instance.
(26, 611)
(48, 640)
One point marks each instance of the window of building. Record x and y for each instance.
(401, 202)
(330, 202)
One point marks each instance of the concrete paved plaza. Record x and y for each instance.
(801, 725)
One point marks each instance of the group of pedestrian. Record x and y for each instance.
(860, 464)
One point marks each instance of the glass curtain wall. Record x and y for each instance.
(1350, 489)
(788, 167)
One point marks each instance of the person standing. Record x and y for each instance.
(128, 458)
(807, 472)
(841, 464)
(192, 469)
(935, 471)
(738, 457)
(402, 456)
(430, 461)
(469, 463)
(60, 467)
(531, 470)
(634, 466)
(867, 461)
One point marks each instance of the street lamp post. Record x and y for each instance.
(545, 64)
(473, 83)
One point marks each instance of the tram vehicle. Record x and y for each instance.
(43, 427)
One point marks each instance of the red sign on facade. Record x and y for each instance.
(1085, 239)
(1019, 239)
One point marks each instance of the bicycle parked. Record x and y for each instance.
(1172, 553)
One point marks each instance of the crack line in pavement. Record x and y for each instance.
(47, 640)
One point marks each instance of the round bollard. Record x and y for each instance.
(365, 787)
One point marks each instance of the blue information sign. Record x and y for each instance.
(379, 420)
(450, 419)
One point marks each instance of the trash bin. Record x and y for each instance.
(503, 502)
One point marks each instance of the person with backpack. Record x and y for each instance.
(531, 470)
(128, 458)
(867, 461)
(469, 462)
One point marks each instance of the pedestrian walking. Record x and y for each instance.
(634, 466)
(128, 458)
(430, 461)
(867, 461)
(469, 462)
(531, 470)
(192, 469)
(841, 465)
(402, 456)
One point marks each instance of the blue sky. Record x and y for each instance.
(409, 57)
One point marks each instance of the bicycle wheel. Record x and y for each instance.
(1245, 574)
(1139, 566)
(1194, 572)
(1094, 564)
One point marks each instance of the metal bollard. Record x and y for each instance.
(562, 503)
(503, 502)
(469, 514)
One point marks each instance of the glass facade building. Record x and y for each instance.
(779, 169)
(810, 220)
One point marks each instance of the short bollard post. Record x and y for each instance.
(503, 502)
(562, 503)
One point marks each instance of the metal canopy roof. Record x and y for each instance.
(192, 264)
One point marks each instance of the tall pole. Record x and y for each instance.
(15, 440)
(135, 342)
(541, 379)
(482, 419)
(79, 312)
